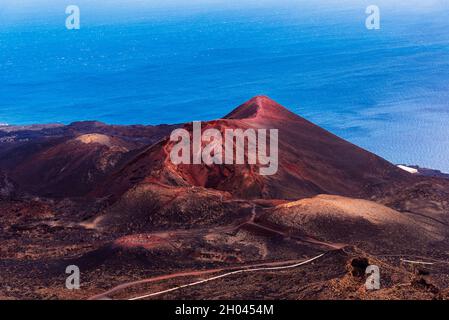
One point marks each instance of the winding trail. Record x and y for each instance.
(253, 267)
(226, 275)
(263, 266)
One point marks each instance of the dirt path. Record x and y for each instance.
(277, 265)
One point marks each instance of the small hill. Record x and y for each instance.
(354, 222)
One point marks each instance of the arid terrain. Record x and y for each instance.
(109, 200)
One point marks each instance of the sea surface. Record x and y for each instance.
(386, 90)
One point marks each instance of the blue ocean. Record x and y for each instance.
(153, 62)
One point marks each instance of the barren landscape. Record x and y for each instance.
(107, 199)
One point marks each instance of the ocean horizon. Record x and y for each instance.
(385, 90)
